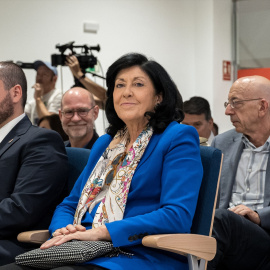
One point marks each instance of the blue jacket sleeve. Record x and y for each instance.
(180, 177)
(64, 213)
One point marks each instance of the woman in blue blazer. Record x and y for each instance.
(153, 181)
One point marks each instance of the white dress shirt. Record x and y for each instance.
(211, 138)
(9, 126)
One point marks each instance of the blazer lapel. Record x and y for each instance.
(149, 149)
(6, 146)
(14, 135)
(229, 168)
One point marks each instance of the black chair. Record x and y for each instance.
(198, 246)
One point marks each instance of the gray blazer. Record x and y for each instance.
(231, 145)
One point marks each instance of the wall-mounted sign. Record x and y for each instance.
(226, 69)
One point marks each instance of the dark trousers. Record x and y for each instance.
(241, 244)
(9, 249)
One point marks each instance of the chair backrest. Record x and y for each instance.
(204, 215)
(77, 159)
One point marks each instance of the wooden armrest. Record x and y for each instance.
(38, 237)
(203, 247)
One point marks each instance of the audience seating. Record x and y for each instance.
(77, 159)
(198, 246)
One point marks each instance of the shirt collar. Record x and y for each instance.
(211, 138)
(251, 146)
(9, 126)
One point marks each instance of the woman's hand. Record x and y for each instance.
(69, 229)
(97, 234)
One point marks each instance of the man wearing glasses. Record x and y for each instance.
(242, 222)
(78, 114)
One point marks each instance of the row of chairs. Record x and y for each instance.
(198, 246)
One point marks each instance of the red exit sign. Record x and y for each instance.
(226, 70)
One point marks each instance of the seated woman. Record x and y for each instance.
(142, 177)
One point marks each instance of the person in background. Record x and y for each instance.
(53, 122)
(98, 91)
(215, 129)
(47, 98)
(242, 220)
(198, 114)
(33, 167)
(114, 199)
(78, 114)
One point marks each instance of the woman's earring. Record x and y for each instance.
(156, 106)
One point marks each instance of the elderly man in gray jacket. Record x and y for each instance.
(242, 220)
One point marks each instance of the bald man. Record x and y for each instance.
(242, 222)
(78, 114)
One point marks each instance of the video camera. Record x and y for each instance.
(86, 58)
(25, 65)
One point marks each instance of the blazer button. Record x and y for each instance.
(141, 235)
(135, 237)
(130, 239)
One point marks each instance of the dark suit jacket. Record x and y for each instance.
(231, 145)
(33, 172)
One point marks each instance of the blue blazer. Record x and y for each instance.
(33, 171)
(162, 198)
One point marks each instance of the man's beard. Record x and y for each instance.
(6, 108)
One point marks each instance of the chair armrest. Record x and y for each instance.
(203, 247)
(37, 237)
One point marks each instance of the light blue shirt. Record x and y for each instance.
(248, 188)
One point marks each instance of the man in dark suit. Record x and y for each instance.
(33, 166)
(242, 222)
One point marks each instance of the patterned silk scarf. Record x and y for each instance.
(110, 180)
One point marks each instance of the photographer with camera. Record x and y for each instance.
(47, 99)
(98, 91)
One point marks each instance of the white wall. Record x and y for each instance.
(203, 39)
(222, 50)
(179, 34)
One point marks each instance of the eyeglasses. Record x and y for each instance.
(233, 103)
(81, 112)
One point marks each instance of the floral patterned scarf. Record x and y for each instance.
(110, 180)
